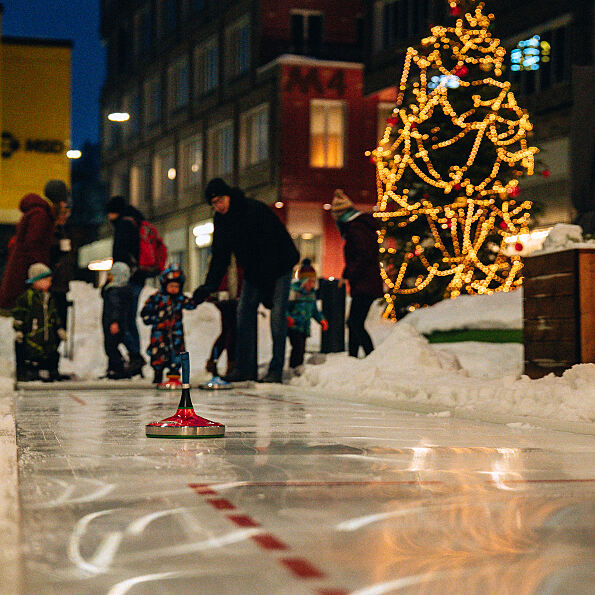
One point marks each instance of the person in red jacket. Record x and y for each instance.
(362, 267)
(33, 239)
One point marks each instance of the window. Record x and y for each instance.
(177, 84)
(542, 60)
(385, 111)
(164, 175)
(237, 48)
(306, 32)
(152, 100)
(327, 133)
(206, 67)
(167, 17)
(220, 150)
(142, 31)
(192, 159)
(131, 105)
(254, 136)
(398, 20)
(140, 179)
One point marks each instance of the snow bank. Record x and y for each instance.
(406, 368)
(564, 237)
(495, 311)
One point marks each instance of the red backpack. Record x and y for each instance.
(152, 252)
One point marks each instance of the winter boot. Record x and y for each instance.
(135, 365)
(117, 374)
(21, 364)
(230, 366)
(157, 375)
(211, 367)
(236, 376)
(273, 376)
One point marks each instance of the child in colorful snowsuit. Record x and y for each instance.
(38, 328)
(302, 307)
(117, 304)
(163, 310)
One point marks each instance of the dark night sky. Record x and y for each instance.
(78, 21)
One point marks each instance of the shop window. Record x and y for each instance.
(327, 133)
(254, 136)
(206, 67)
(220, 150)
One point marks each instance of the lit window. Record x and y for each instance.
(220, 150)
(192, 156)
(237, 48)
(164, 164)
(206, 67)
(327, 133)
(139, 184)
(254, 136)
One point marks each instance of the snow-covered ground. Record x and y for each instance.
(403, 368)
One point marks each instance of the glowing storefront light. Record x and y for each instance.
(529, 53)
(203, 234)
(104, 264)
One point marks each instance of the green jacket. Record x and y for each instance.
(35, 316)
(302, 307)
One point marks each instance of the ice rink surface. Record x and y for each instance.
(303, 495)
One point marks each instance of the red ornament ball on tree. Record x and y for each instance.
(457, 187)
(514, 191)
(392, 120)
(455, 11)
(462, 71)
(518, 246)
(546, 173)
(503, 225)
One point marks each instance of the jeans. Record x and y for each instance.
(131, 338)
(250, 297)
(358, 336)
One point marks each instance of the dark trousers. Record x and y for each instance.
(131, 337)
(61, 306)
(226, 341)
(115, 361)
(358, 336)
(298, 347)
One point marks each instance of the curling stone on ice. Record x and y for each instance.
(185, 423)
(172, 383)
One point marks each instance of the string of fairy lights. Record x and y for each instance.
(479, 207)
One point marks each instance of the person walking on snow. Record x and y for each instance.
(362, 267)
(38, 328)
(163, 310)
(265, 252)
(302, 308)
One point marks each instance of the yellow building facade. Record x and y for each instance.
(35, 91)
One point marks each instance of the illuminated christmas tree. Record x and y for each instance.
(448, 169)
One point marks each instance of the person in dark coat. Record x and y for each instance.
(362, 267)
(126, 221)
(265, 252)
(163, 310)
(117, 303)
(38, 328)
(33, 239)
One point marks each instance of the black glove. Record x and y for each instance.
(200, 295)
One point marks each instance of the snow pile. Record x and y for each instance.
(564, 237)
(406, 368)
(501, 310)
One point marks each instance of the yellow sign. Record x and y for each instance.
(35, 124)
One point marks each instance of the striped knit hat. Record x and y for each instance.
(38, 271)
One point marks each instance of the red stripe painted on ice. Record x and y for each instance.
(301, 568)
(202, 488)
(269, 542)
(331, 592)
(221, 504)
(242, 520)
(78, 400)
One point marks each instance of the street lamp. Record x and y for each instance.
(73, 154)
(118, 117)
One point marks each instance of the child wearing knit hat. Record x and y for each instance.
(301, 309)
(38, 328)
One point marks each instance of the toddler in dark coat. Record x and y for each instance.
(163, 310)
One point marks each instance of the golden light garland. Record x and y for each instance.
(476, 204)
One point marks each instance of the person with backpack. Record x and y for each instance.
(137, 243)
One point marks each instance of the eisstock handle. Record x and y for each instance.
(185, 357)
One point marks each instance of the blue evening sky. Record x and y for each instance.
(78, 21)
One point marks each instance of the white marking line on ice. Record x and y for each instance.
(102, 490)
(401, 583)
(74, 551)
(354, 524)
(125, 586)
(138, 526)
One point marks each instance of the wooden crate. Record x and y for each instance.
(559, 311)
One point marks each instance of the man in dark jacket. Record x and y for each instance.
(362, 267)
(33, 239)
(265, 252)
(127, 221)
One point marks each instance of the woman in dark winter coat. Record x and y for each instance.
(265, 252)
(163, 310)
(33, 239)
(362, 267)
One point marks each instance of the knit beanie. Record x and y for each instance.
(116, 204)
(38, 271)
(306, 271)
(216, 187)
(341, 203)
(56, 191)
